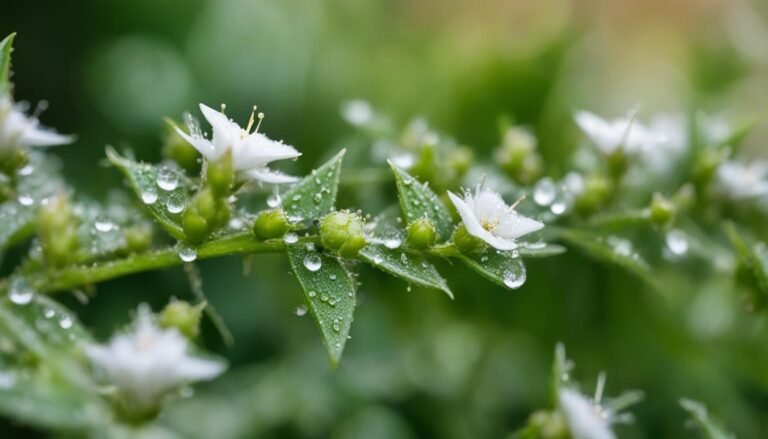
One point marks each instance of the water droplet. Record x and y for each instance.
(312, 294)
(104, 225)
(323, 297)
(544, 192)
(377, 259)
(515, 276)
(174, 203)
(149, 196)
(620, 246)
(26, 170)
(312, 262)
(26, 200)
(300, 310)
(404, 258)
(558, 208)
(187, 254)
(20, 292)
(66, 322)
(49, 313)
(333, 277)
(392, 242)
(167, 179)
(291, 238)
(296, 197)
(484, 259)
(274, 200)
(317, 198)
(677, 242)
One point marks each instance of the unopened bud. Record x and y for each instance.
(342, 232)
(138, 238)
(57, 227)
(220, 176)
(421, 234)
(195, 226)
(460, 160)
(465, 242)
(182, 316)
(179, 150)
(517, 156)
(271, 224)
(597, 190)
(662, 211)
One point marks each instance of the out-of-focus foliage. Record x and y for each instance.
(626, 297)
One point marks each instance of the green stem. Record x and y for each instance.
(78, 275)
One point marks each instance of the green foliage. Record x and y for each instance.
(6, 47)
(418, 201)
(315, 195)
(709, 427)
(410, 267)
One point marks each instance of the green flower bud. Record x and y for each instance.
(465, 242)
(706, 164)
(271, 224)
(460, 160)
(138, 238)
(548, 425)
(662, 211)
(204, 204)
(517, 156)
(617, 163)
(342, 232)
(57, 227)
(220, 175)
(425, 166)
(179, 150)
(597, 190)
(13, 160)
(421, 234)
(182, 316)
(222, 215)
(195, 226)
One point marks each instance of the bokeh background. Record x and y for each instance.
(418, 364)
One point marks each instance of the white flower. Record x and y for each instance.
(610, 135)
(17, 130)
(741, 181)
(357, 112)
(148, 362)
(251, 152)
(486, 216)
(585, 419)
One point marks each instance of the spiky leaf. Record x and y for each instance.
(410, 267)
(315, 195)
(418, 201)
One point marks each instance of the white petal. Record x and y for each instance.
(584, 422)
(515, 225)
(226, 134)
(42, 137)
(269, 176)
(475, 229)
(201, 144)
(258, 150)
(198, 369)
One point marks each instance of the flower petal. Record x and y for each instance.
(201, 144)
(269, 176)
(41, 137)
(515, 225)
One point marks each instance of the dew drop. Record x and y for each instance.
(291, 238)
(26, 170)
(323, 297)
(312, 294)
(274, 200)
(66, 322)
(187, 254)
(677, 242)
(558, 208)
(515, 276)
(312, 262)
(167, 179)
(377, 259)
(300, 311)
(393, 242)
(149, 196)
(104, 225)
(49, 313)
(333, 277)
(544, 192)
(404, 258)
(174, 203)
(20, 292)
(26, 200)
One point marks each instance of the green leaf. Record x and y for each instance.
(164, 205)
(418, 201)
(505, 268)
(751, 269)
(315, 195)
(539, 249)
(410, 267)
(101, 229)
(561, 369)
(16, 223)
(330, 294)
(6, 47)
(610, 249)
(709, 427)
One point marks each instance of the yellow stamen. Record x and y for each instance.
(519, 200)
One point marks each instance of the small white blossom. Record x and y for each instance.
(743, 181)
(486, 216)
(585, 419)
(149, 362)
(623, 132)
(251, 152)
(17, 130)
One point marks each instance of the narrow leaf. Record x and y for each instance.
(751, 268)
(165, 192)
(6, 47)
(504, 268)
(539, 249)
(418, 201)
(315, 195)
(709, 427)
(16, 223)
(410, 267)
(330, 294)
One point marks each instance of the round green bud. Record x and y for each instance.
(597, 190)
(517, 156)
(465, 242)
(179, 150)
(271, 224)
(195, 226)
(220, 175)
(617, 163)
(138, 238)
(460, 160)
(421, 234)
(57, 227)
(662, 211)
(342, 232)
(183, 317)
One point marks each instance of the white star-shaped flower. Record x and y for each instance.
(486, 216)
(17, 130)
(743, 181)
(251, 152)
(586, 419)
(623, 132)
(149, 362)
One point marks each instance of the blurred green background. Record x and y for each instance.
(418, 364)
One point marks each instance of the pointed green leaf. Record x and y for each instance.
(539, 249)
(330, 294)
(165, 192)
(315, 195)
(16, 223)
(102, 229)
(709, 427)
(418, 201)
(6, 47)
(751, 269)
(504, 268)
(612, 250)
(410, 267)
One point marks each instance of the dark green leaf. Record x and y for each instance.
(751, 270)
(418, 201)
(330, 293)
(315, 195)
(165, 192)
(6, 47)
(16, 222)
(504, 268)
(410, 267)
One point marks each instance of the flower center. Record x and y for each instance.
(489, 224)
